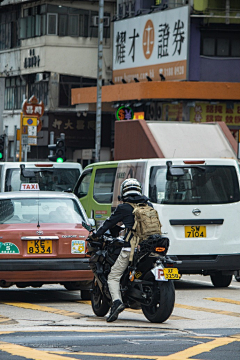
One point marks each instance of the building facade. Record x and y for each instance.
(170, 60)
(47, 49)
(176, 61)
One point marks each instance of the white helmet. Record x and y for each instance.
(130, 187)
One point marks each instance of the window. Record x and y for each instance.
(220, 42)
(55, 180)
(70, 82)
(84, 184)
(15, 93)
(62, 25)
(58, 20)
(223, 47)
(198, 185)
(52, 24)
(16, 211)
(209, 47)
(103, 185)
(73, 27)
(9, 29)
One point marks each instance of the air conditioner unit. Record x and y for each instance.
(39, 77)
(106, 21)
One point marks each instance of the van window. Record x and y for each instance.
(103, 185)
(54, 179)
(84, 184)
(198, 185)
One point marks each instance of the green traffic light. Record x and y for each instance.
(59, 160)
(1, 155)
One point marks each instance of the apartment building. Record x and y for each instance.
(47, 49)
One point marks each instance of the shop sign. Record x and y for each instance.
(206, 112)
(172, 112)
(139, 116)
(33, 107)
(32, 60)
(151, 45)
(87, 154)
(124, 113)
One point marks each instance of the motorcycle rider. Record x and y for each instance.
(130, 192)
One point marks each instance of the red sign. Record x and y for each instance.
(33, 107)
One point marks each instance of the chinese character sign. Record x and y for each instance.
(206, 112)
(150, 45)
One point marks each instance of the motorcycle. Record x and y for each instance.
(147, 283)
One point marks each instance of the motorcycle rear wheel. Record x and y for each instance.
(164, 300)
(100, 304)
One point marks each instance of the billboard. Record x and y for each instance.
(151, 45)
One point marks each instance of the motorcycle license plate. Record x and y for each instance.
(171, 273)
(195, 232)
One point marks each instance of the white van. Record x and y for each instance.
(50, 176)
(198, 201)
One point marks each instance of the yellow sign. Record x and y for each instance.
(206, 112)
(138, 116)
(30, 120)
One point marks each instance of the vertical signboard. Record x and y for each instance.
(151, 45)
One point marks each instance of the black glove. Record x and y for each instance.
(92, 236)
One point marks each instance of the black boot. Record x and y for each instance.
(116, 308)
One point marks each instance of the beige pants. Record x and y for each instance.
(116, 273)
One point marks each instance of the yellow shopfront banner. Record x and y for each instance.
(205, 112)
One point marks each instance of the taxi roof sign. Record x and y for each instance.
(33, 186)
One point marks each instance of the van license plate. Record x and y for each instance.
(171, 273)
(195, 231)
(39, 246)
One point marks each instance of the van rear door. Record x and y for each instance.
(198, 207)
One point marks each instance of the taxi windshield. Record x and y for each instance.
(30, 210)
(54, 179)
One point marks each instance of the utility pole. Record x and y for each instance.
(99, 81)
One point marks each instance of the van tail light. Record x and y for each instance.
(43, 165)
(194, 162)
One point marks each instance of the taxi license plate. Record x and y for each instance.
(195, 232)
(39, 246)
(171, 273)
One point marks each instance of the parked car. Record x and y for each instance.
(43, 240)
(50, 176)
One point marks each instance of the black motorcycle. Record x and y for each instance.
(147, 283)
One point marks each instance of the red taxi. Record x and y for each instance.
(43, 240)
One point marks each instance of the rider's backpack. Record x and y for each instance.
(146, 221)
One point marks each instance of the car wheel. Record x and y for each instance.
(219, 280)
(72, 285)
(237, 277)
(85, 294)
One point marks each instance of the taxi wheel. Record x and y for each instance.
(72, 285)
(85, 294)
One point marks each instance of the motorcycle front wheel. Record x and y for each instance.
(99, 301)
(163, 295)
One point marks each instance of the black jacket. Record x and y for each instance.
(123, 213)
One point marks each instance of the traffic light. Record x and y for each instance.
(2, 143)
(60, 151)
